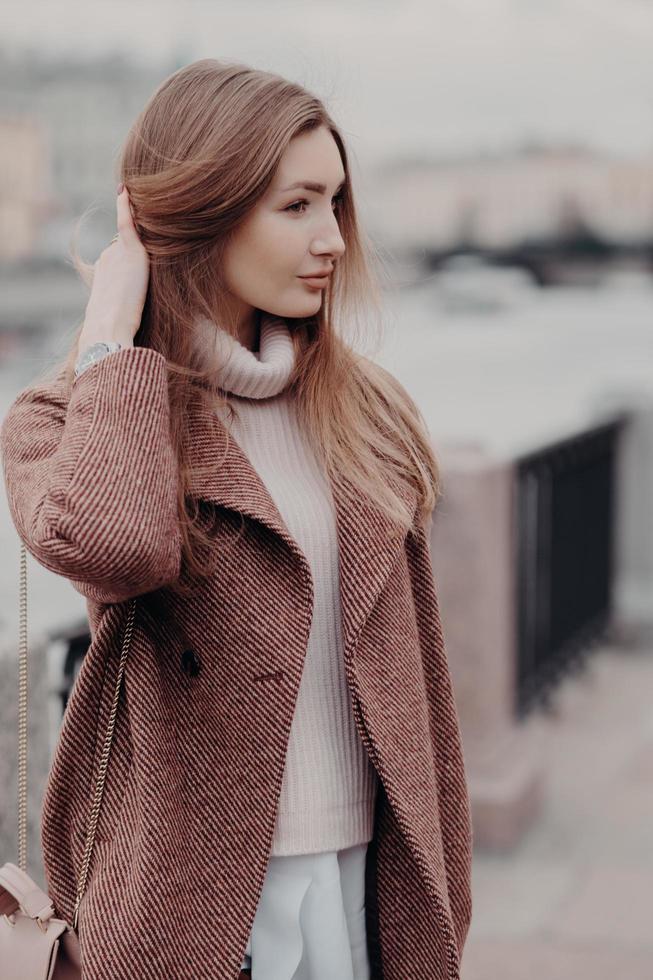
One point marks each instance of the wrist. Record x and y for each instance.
(88, 337)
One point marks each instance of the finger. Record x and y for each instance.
(124, 221)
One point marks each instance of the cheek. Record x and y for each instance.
(281, 244)
(268, 252)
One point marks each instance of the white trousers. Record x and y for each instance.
(310, 920)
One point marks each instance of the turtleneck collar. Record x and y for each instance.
(254, 374)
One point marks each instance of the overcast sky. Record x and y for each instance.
(440, 75)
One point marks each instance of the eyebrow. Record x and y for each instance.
(311, 185)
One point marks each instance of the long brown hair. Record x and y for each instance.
(199, 156)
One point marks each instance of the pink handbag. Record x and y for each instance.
(34, 943)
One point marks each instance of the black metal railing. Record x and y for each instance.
(76, 640)
(564, 513)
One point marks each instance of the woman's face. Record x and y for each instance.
(291, 232)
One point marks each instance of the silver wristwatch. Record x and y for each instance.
(95, 352)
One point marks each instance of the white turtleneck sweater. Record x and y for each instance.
(329, 784)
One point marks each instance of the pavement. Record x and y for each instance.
(574, 900)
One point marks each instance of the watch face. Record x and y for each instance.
(92, 354)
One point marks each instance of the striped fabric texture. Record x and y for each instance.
(210, 687)
(329, 783)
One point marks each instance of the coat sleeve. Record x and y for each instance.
(91, 476)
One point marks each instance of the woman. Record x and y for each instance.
(286, 792)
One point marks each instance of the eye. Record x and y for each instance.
(291, 207)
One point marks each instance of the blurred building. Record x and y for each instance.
(25, 185)
(62, 124)
(500, 201)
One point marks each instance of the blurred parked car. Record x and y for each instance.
(467, 283)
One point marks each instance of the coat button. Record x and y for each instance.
(190, 663)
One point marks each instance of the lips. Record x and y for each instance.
(315, 281)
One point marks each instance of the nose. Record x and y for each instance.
(332, 243)
(332, 247)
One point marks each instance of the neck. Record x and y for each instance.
(249, 331)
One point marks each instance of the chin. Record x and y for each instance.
(296, 309)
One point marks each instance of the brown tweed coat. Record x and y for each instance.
(209, 691)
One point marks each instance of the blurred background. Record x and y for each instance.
(502, 155)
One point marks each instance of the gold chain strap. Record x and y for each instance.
(22, 739)
(22, 715)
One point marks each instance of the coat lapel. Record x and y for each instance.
(368, 541)
(369, 544)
